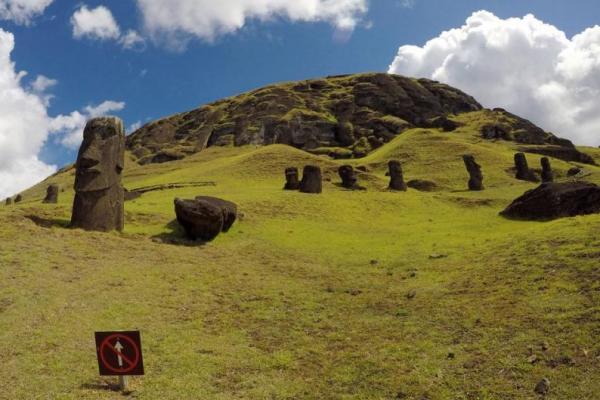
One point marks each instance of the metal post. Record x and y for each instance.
(123, 381)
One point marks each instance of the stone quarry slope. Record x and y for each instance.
(342, 116)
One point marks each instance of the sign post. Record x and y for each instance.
(119, 354)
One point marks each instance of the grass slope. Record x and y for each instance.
(306, 297)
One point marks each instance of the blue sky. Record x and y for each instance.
(172, 72)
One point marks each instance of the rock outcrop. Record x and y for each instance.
(475, 174)
(99, 194)
(555, 200)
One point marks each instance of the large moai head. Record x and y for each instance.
(291, 179)
(312, 180)
(475, 174)
(547, 174)
(99, 194)
(52, 194)
(348, 177)
(524, 173)
(396, 176)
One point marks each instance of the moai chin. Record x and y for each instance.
(99, 194)
(475, 175)
(396, 176)
(547, 174)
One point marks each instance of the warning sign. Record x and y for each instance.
(119, 353)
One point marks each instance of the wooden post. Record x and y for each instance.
(123, 381)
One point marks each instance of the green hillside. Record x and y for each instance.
(307, 297)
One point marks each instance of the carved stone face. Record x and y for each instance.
(101, 156)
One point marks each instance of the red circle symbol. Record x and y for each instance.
(129, 363)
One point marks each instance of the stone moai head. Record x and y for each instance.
(18, 198)
(348, 176)
(475, 174)
(312, 180)
(547, 174)
(8, 201)
(99, 193)
(291, 179)
(396, 176)
(52, 194)
(101, 156)
(524, 173)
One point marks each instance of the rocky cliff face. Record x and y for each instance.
(344, 116)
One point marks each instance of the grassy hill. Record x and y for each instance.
(307, 296)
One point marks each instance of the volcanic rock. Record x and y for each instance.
(201, 219)
(228, 208)
(555, 200)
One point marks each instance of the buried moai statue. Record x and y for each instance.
(99, 193)
(312, 180)
(291, 179)
(349, 178)
(475, 175)
(18, 198)
(524, 173)
(52, 194)
(547, 174)
(396, 176)
(8, 201)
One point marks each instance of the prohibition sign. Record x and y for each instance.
(119, 353)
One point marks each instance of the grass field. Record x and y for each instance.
(307, 296)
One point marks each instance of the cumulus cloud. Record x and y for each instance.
(23, 127)
(132, 40)
(178, 20)
(522, 64)
(97, 23)
(71, 126)
(22, 11)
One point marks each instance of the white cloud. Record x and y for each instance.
(178, 20)
(22, 11)
(23, 127)
(522, 64)
(134, 127)
(97, 23)
(71, 126)
(132, 40)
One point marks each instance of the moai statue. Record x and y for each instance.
(312, 180)
(547, 174)
(523, 171)
(475, 175)
(396, 176)
(8, 201)
(52, 194)
(348, 177)
(291, 179)
(99, 194)
(19, 198)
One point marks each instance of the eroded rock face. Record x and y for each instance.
(99, 194)
(475, 174)
(312, 180)
(348, 177)
(292, 181)
(228, 209)
(201, 219)
(547, 174)
(524, 173)
(52, 194)
(555, 200)
(396, 176)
